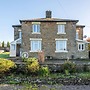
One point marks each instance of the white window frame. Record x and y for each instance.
(36, 28)
(81, 46)
(57, 41)
(13, 46)
(38, 44)
(61, 27)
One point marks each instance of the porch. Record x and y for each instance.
(15, 48)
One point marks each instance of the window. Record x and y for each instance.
(36, 28)
(20, 34)
(12, 46)
(61, 45)
(61, 28)
(81, 46)
(35, 45)
(76, 35)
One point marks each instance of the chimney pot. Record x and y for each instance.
(48, 14)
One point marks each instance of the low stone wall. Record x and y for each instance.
(58, 67)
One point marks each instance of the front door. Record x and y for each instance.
(18, 50)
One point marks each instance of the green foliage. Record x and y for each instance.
(8, 44)
(85, 75)
(24, 59)
(88, 46)
(44, 71)
(6, 65)
(32, 65)
(69, 67)
(3, 44)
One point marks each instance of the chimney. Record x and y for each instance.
(48, 14)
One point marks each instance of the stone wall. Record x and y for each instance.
(48, 36)
(80, 31)
(16, 32)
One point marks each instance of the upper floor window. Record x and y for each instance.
(77, 34)
(61, 45)
(36, 28)
(61, 27)
(20, 34)
(81, 46)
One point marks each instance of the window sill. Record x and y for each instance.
(61, 33)
(36, 33)
(60, 51)
(81, 50)
(35, 51)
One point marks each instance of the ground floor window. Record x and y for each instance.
(12, 46)
(35, 45)
(81, 46)
(61, 45)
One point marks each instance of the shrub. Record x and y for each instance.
(44, 71)
(6, 65)
(32, 65)
(69, 67)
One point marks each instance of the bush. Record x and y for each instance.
(6, 65)
(32, 65)
(69, 67)
(44, 71)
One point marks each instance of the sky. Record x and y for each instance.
(11, 11)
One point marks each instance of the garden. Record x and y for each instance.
(34, 75)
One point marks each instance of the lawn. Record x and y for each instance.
(4, 55)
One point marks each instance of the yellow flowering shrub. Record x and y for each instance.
(6, 65)
(32, 65)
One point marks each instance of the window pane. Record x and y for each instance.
(20, 34)
(38, 28)
(76, 35)
(13, 46)
(79, 46)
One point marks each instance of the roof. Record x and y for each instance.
(48, 20)
(80, 25)
(79, 40)
(16, 25)
(18, 41)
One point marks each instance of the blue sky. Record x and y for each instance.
(11, 11)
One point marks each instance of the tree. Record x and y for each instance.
(8, 44)
(3, 44)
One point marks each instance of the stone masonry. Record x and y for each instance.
(48, 30)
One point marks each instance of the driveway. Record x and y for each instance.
(68, 87)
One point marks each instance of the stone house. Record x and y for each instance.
(57, 38)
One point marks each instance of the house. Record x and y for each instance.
(57, 38)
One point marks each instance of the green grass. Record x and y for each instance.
(84, 75)
(4, 55)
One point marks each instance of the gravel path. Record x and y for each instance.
(67, 87)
